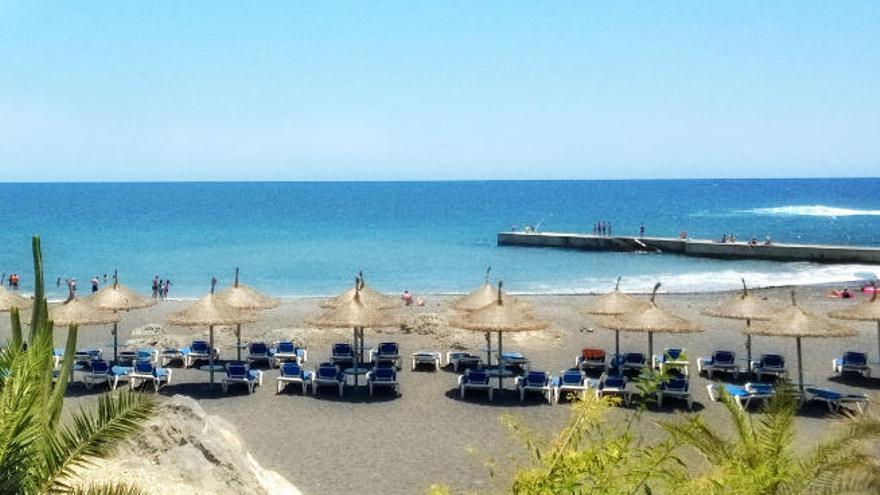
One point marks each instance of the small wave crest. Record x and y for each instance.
(812, 211)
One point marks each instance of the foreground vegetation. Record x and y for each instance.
(40, 453)
(592, 456)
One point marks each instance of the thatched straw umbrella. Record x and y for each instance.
(116, 298)
(865, 311)
(612, 304)
(498, 316)
(795, 322)
(744, 307)
(9, 300)
(79, 312)
(210, 312)
(355, 313)
(244, 298)
(649, 318)
(368, 296)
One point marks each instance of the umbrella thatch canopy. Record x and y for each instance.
(209, 311)
(796, 322)
(357, 313)
(9, 300)
(744, 307)
(117, 297)
(649, 318)
(865, 311)
(498, 316)
(244, 298)
(613, 303)
(80, 312)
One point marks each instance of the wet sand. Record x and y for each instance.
(388, 444)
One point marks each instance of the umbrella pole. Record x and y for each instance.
(488, 349)
(211, 356)
(360, 355)
(238, 340)
(616, 343)
(651, 346)
(115, 341)
(748, 345)
(800, 367)
(500, 366)
(878, 340)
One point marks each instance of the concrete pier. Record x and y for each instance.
(694, 247)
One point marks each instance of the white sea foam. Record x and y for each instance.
(718, 280)
(812, 211)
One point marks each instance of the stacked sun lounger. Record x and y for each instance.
(852, 362)
(720, 362)
(285, 351)
(591, 359)
(769, 364)
(461, 360)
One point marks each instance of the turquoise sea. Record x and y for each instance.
(301, 238)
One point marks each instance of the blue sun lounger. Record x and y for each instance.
(672, 357)
(474, 379)
(573, 380)
(633, 361)
(769, 364)
(292, 372)
(146, 372)
(241, 373)
(721, 361)
(328, 374)
(852, 362)
(383, 376)
(197, 350)
(742, 395)
(535, 381)
(462, 360)
(834, 399)
(342, 354)
(675, 388)
(285, 351)
(258, 351)
(387, 352)
(613, 385)
(99, 373)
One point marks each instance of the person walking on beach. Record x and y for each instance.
(407, 298)
(71, 289)
(155, 287)
(165, 289)
(95, 283)
(13, 281)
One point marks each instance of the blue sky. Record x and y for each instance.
(438, 90)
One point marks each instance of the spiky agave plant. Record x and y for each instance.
(760, 459)
(39, 454)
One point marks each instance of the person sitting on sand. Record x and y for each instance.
(407, 298)
(845, 294)
(420, 302)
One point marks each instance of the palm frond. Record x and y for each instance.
(93, 435)
(108, 489)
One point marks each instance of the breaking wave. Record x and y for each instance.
(813, 211)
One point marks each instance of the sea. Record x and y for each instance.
(312, 238)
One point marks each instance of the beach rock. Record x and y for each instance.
(183, 450)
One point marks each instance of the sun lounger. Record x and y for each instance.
(342, 354)
(285, 351)
(834, 399)
(292, 372)
(57, 357)
(241, 373)
(633, 361)
(852, 362)
(743, 395)
(426, 357)
(675, 388)
(535, 381)
(328, 374)
(573, 380)
(614, 385)
(146, 372)
(514, 360)
(258, 351)
(197, 350)
(99, 373)
(591, 359)
(721, 361)
(169, 354)
(119, 374)
(387, 352)
(769, 364)
(474, 379)
(383, 376)
(672, 357)
(85, 357)
(462, 360)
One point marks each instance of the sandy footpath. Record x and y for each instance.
(328, 445)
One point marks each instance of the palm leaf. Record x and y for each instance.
(111, 489)
(92, 435)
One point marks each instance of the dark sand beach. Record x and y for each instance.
(391, 445)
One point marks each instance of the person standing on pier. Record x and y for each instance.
(642, 230)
